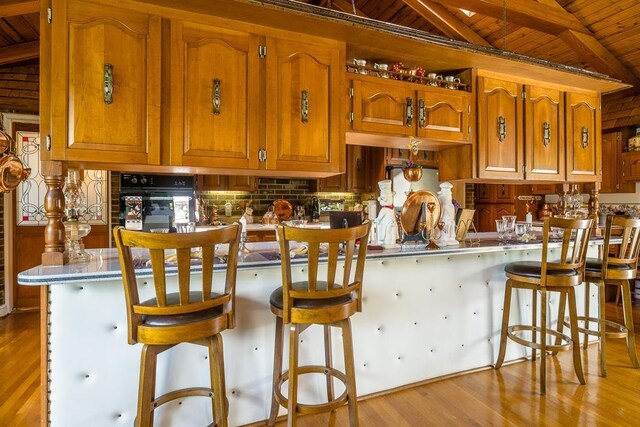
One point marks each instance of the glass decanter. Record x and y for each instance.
(75, 228)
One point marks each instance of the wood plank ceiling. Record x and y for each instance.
(599, 35)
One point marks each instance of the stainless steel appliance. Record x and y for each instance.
(160, 202)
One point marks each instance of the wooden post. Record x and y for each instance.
(594, 207)
(54, 235)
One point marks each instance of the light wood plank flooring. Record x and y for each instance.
(507, 397)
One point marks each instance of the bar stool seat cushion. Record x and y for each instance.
(181, 319)
(276, 298)
(595, 265)
(533, 270)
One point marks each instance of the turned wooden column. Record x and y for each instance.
(53, 173)
(594, 207)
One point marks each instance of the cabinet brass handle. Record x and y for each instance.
(216, 97)
(585, 137)
(422, 114)
(304, 108)
(409, 111)
(108, 83)
(502, 128)
(546, 134)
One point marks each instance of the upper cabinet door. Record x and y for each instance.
(584, 161)
(381, 106)
(544, 134)
(500, 147)
(106, 92)
(215, 112)
(443, 114)
(304, 109)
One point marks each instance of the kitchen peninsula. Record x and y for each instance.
(129, 86)
(410, 330)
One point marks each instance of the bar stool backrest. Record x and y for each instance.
(188, 301)
(313, 239)
(630, 246)
(575, 242)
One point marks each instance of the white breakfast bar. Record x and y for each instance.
(426, 313)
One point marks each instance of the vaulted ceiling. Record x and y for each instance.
(600, 35)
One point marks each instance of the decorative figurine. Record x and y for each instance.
(248, 212)
(386, 224)
(447, 233)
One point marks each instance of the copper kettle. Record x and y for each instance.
(12, 170)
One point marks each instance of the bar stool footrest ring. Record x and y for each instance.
(512, 333)
(619, 331)
(315, 408)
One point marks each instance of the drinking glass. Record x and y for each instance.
(500, 228)
(510, 224)
(521, 230)
(186, 227)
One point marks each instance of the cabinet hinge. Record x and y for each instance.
(524, 168)
(351, 117)
(49, 15)
(262, 155)
(469, 109)
(617, 186)
(48, 142)
(524, 94)
(350, 92)
(262, 51)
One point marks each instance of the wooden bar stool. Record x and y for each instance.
(328, 303)
(617, 270)
(196, 316)
(562, 276)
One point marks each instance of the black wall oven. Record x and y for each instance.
(156, 202)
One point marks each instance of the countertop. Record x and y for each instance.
(104, 264)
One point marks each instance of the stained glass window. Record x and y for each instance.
(30, 193)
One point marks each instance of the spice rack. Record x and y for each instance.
(412, 75)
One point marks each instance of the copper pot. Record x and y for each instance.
(12, 170)
(412, 174)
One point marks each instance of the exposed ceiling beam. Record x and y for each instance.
(19, 52)
(545, 16)
(599, 57)
(527, 13)
(347, 7)
(445, 21)
(18, 7)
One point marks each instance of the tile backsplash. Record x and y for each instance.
(296, 191)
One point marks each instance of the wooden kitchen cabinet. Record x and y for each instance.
(631, 165)
(226, 183)
(584, 161)
(500, 129)
(365, 167)
(613, 164)
(215, 115)
(398, 108)
(305, 127)
(106, 92)
(443, 114)
(382, 106)
(487, 214)
(544, 134)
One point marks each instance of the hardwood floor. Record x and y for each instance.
(508, 396)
